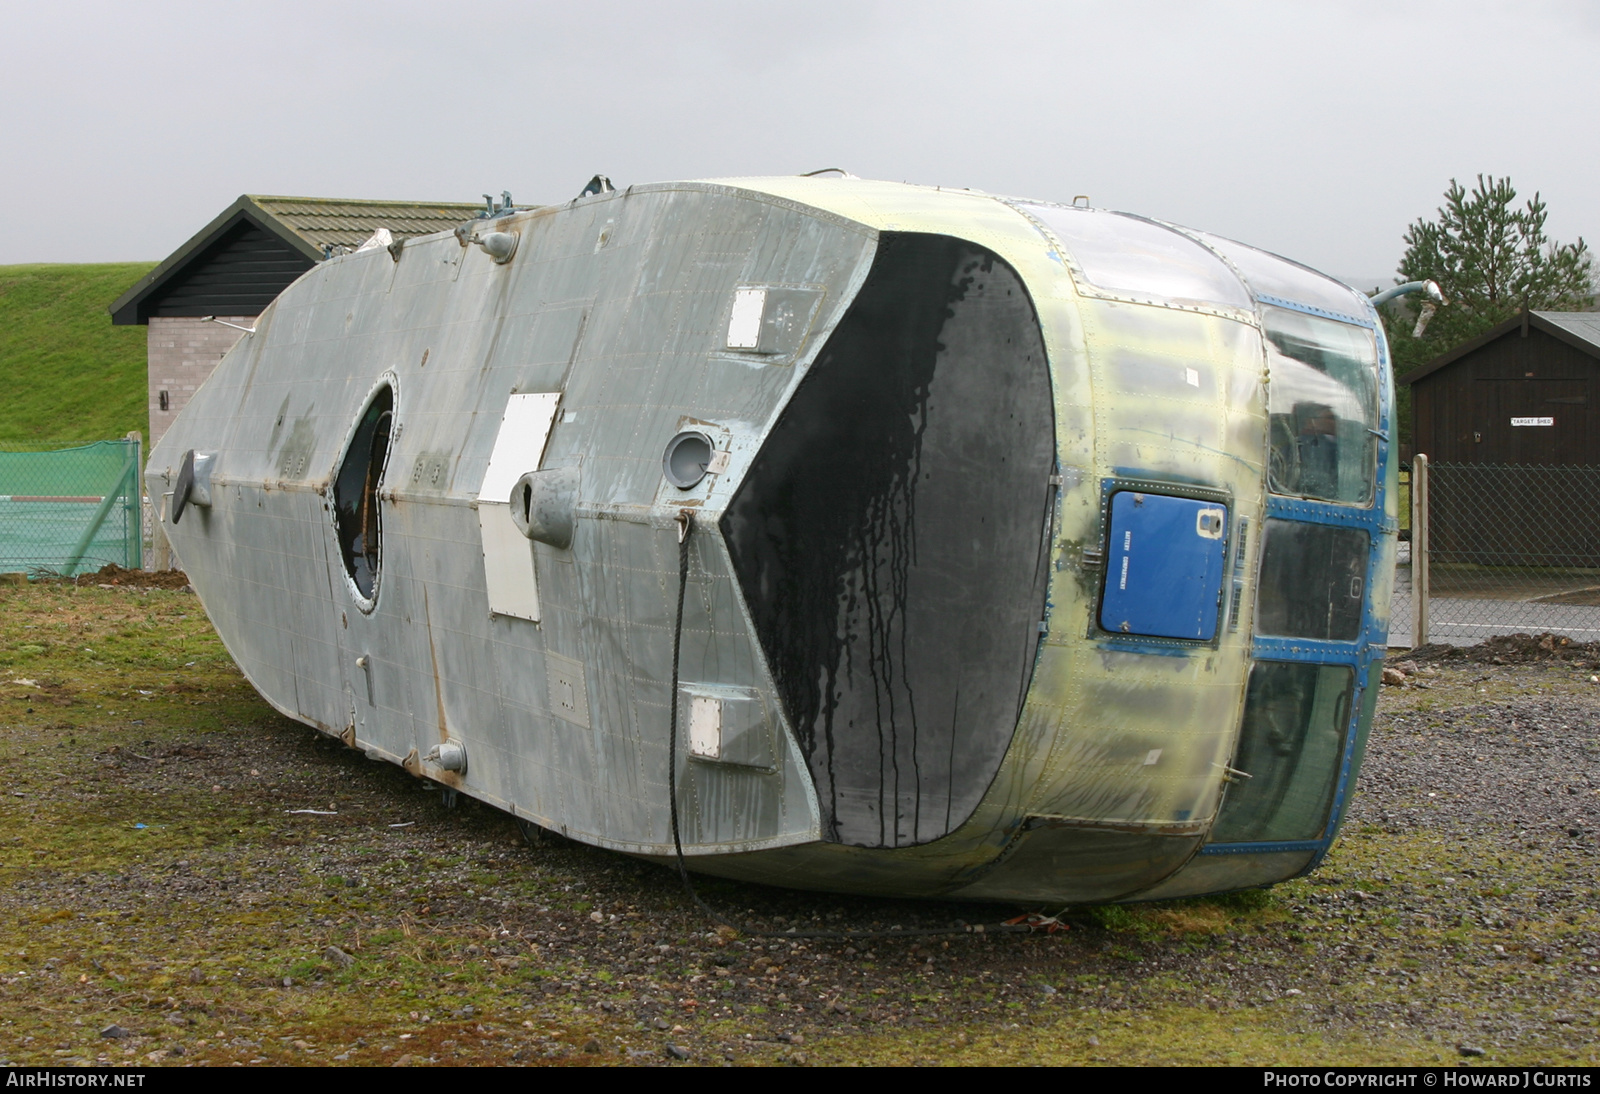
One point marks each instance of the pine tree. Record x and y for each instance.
(1492, 259)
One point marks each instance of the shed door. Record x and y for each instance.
(1564, 403)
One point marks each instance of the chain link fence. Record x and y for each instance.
(66, 510)
(1500, 549)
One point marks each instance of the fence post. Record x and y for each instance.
(160, 548)
(134, 509)
(1419, 549)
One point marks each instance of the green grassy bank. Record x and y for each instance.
(68, 374)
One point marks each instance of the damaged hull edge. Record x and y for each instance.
(1034, 553)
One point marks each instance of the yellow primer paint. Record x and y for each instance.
(1177, 393)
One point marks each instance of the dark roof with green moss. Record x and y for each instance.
(1578, 329)
(242, 260)
(331, 222)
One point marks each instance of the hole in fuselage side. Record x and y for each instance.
(356, 503)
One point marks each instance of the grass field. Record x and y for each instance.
(186, 877)
(68, 374)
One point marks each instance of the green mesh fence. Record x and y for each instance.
(70, 511)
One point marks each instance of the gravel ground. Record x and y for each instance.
(186, 878)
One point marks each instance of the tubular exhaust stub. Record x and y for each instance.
(544, 505)
(500, 246)
(687, 459)
(450, 755)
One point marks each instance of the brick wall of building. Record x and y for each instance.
(182, 354)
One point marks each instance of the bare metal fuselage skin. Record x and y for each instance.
(997, 580)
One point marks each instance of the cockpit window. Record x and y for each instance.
(1313, 577)
(1126, 254)
(356, 510)
(1271, 275)
(1323, 403)
(1291, 746)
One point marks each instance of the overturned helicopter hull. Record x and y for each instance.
(1032, 552)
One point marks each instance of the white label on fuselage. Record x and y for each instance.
(705, 726)
(1533, 421)
(744, 325)
(1124, 583)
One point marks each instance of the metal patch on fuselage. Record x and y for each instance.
(729, 725)
(569, 690)
(769, 323)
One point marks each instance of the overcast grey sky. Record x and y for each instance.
(1315, 130)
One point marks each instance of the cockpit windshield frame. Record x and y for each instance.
(1323, 404)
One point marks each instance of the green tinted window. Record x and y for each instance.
(1291, 744)
(1323, 402)
(1312, 580)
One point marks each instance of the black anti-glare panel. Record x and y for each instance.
(890, 540)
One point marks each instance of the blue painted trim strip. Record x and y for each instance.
(1375, 635)
(1341, 792)
(1322, 512)
(1279, 302)
(1367, 654)
(1313, 650)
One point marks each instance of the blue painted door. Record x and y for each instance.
(1164, 566)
